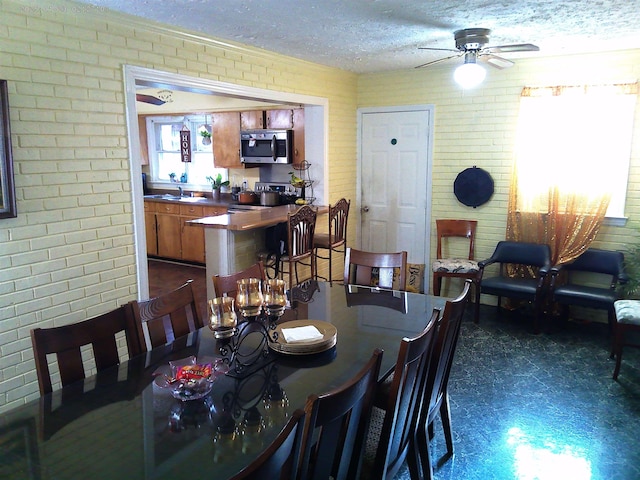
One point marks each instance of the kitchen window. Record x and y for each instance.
(165, 162)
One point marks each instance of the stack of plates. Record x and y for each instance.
(328, 340)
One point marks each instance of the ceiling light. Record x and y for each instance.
(469, 74)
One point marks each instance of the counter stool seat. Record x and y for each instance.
(627, 322)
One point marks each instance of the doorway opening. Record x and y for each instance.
(316, 129)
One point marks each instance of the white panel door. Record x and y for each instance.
(395, 184)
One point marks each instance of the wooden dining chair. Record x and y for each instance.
(436, 395)
(392, 432)
(301, 227)
(281, 459)
(336, 425)
(384, 270)
(448, 265)
(164, 318)
(101, 332)
(335, 240)
(226, 285)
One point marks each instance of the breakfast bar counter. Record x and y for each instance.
(233, 240)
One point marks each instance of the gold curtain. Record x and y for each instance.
(553, 201)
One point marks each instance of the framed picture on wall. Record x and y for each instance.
(7, 187)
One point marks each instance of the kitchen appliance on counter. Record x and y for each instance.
(287, 192)
(266, 146)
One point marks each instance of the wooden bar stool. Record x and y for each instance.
(336, 238)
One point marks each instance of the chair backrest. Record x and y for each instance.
(65, 341)
(226, 285)
(375, 269)
(522, 253)
(456, 228)
(594, 260)
(338, 216)
(281, 459)
(167, 317)
(444, 350)
(301, 227)
(404, 398)
(336, 426)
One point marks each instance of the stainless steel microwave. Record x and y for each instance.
(266, 146)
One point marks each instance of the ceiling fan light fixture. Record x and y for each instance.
(469, 74)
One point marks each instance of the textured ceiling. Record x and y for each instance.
(377, 35)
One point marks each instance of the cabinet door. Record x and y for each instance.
(144, 144)
(251, 120)
(226, 140)
(168, 228)
(279, 118)
(298, 136)
(192, 238)
(150, 229)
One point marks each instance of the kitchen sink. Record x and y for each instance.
(168, 196)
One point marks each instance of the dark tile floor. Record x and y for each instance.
(541, 407)
(523, 406)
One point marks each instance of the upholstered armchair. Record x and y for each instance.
(534, 255)
(590, 281)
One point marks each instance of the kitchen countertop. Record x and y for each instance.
(250, 219)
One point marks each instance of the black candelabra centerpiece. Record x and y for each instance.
(245, 346)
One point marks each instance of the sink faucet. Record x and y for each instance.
(180, 191)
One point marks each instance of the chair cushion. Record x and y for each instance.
(585, 296)
(628, 311)
(455, 265)
(510, 287)
(373, 438)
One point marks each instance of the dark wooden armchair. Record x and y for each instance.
(590, 281)
(532, 255)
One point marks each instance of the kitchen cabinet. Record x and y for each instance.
(168, 230)
(169, 235)
(252, 120)
(226, 139)
(290, 119)
(279, 118)
(144, 143)
(150, 227)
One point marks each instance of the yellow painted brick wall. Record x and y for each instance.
(69, 254)
(478, 127)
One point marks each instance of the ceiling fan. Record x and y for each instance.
(141, 97)
(471, 42)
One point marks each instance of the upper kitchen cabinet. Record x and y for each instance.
(288, 118)
(144, 143)
(252, 120)
(226, 139)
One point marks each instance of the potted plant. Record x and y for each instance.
(206, 137)
(216, 183)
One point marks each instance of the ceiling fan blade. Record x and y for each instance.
(140, 97)
(438, 49)
(438, 61)
(520, 47)
(496, 61)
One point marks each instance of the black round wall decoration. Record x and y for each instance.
(473, 187)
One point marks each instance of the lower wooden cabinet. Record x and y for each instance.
(169, 235)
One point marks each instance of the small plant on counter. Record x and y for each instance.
(216, 182)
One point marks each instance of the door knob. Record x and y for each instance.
(364, 209)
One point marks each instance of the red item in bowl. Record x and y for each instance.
(194, 372)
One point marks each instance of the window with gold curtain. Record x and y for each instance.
(572, 158)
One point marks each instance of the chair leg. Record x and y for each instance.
(616, 350)
(445, 417)
(423, 452)
(476, 315)
(437, 284)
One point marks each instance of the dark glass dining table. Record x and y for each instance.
(124, 424)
